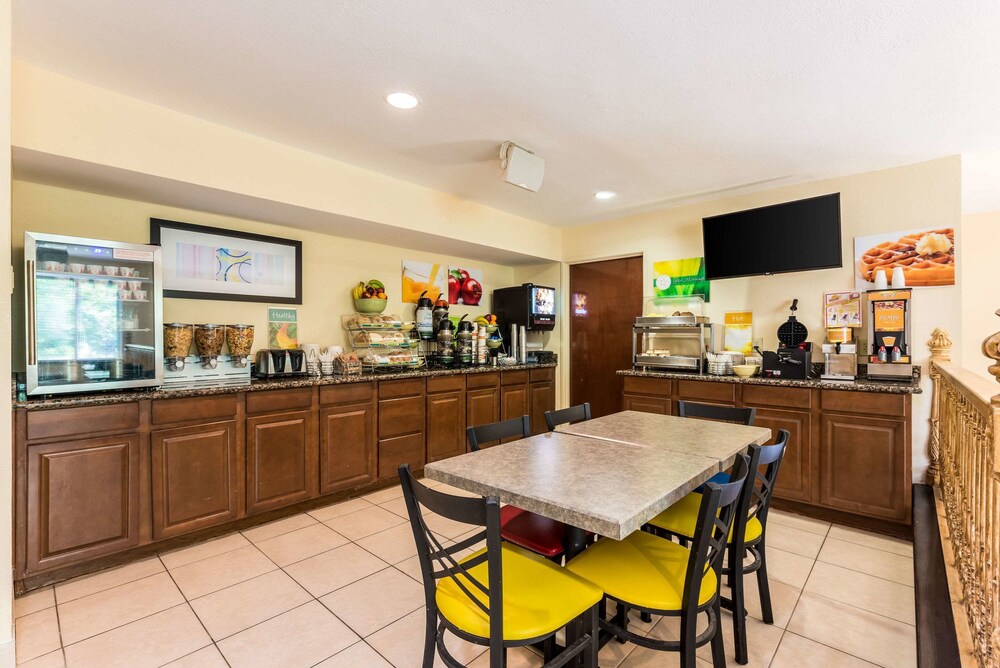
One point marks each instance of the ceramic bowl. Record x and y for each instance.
(745, 370)
(370, 305)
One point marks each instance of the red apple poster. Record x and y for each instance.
(465, 286)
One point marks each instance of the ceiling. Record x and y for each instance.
(660, 101)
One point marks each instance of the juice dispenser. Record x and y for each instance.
(889, 321)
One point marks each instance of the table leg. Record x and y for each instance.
(574, 540)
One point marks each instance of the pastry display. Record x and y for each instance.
(927, 258)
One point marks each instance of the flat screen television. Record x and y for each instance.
(794, 236)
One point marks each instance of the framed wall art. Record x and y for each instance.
(201, 262)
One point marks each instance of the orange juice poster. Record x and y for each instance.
(282, 328)
(419, 277)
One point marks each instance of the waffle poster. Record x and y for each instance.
(680, 278)
(926, 255)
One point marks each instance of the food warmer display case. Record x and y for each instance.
(93, 314)
(673, 333)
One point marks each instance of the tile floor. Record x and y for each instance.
(338, 587)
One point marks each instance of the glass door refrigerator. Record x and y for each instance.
(94, 314)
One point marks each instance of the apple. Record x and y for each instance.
(454, 289)
(472, 292)
(465, 274)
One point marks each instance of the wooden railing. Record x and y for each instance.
(965, 470)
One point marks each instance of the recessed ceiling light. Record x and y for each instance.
(605, 194)
(402, 100)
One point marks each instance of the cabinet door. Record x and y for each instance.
(445, 425)
(282, 453)
(865, 467)
(513, 403)
(194, 472)
(83, 500)
(795, 475)
(542, 398)
(483, 407)
(346, 447)
(646, 404)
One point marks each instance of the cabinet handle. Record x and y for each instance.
(32, 353)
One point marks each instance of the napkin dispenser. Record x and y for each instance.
(278, 363)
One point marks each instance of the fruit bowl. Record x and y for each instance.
(490, 329)
(370, 305)
(745, 370)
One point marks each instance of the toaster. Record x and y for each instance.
(280, 363)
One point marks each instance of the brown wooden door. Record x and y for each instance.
(401, 416)
(83, 500)
(795, 475)
(605, 299)
(346, 446)
(864, 467)
(482, 406)
(282, 460)
(445, 424)
(195, 473)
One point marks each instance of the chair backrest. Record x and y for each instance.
(720, 413)
(762, 485)
(515, 427)
(437, 561)
(570, 415)
(711, 536)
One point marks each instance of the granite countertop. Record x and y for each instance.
(860, 385)
(256, 385)
(609, 487)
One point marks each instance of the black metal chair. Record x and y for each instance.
(534, 532)
(500, 596)
(477, 437)
(745, 416)
(749, 533)
(570, 415)
(656, 576)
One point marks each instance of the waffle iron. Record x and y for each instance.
(793, 359)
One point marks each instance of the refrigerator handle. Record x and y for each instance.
(30, 311)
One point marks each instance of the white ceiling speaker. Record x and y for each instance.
(521, 167)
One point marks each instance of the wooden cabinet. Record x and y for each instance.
(864, 466)
(647, 395)
(400, 425)
(795, 476)
(282, 453)
(195, 477)
(482, 399)
(346, 436)
(541, 399)
(446, 408)
(514, 400)
(82, 499)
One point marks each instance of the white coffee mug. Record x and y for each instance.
(898, 279)
(881, 283)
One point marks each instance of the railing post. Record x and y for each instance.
(940, 346)
(991, 348)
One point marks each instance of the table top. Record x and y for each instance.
(601, 485)
(716, 440)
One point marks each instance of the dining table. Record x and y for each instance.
(608, 476)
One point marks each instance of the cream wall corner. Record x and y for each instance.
(980, 252)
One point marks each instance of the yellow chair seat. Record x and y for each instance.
(539, 597)
(682, 518)
(643, 570)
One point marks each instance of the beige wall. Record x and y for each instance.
(6, 463)
(331, 265)
(921, 195)
(980, 253)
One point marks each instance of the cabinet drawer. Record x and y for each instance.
(659, 387)
(400, 450)
(514, 377)
(83, 420)
(349, 393)
(538, 375)
(409, 387)
(476, 380)
(279, 400)
(404, 415)
(693, 389)
(870, 403)
(445, 384)
(195, 408)
(765, 395)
